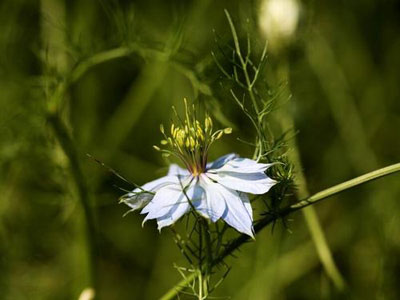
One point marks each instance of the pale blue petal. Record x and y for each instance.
(236, 214)
(221, 161)
(177, 211)
(176, 183)
(158, 183)
(212, 205)
(242, 165)
(247, 204)
(163, 201)
(254, 183)
(175, 170)
(170, 202)
(139, 197)
(137, 201)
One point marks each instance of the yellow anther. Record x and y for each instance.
(180, 141)
(192, 143)
(220, 133)
(180, 137)
(181, 133)
(208, 124)
(228, 130)
(200, 134)
(191, 139)
(176, 130)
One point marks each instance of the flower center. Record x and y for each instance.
(190, 140)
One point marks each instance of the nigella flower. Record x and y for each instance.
(216, 190)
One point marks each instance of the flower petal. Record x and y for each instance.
(212, 205)
(236, 214)
(175, 170)
(139, 197)
(221, 161)
(164, 199)
(247, 204)
(174, 182)
(136, 201)
(242, 165)
(169, 201)
(254, 183)
(176, 212)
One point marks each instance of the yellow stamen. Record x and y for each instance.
(190, 140)
(228, 130)
(220, 133)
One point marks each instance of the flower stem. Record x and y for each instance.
(264, 222)
(346, 185)
(209, 259)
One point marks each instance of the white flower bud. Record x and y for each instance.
(278, 20)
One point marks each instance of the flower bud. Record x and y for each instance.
(278, 20)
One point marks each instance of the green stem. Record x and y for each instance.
(346, 185)
(69, 149)
(242, 62)
(264, 222)
(249, 85)
(322, 247)
(125, 51)
(209, 259)
(310, 215)
(172, 293)
(97, 59)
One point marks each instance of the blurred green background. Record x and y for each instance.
(343, 68)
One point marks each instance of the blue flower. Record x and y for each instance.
(218, 192)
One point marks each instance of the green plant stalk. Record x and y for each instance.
(249, 85)
(53, 38)
(243, 62)
(342, 104)
(351, 128)
(264, 222)
(294, 263)
(209, 260)
(124, 51)
(63, 137)
(310, 215)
